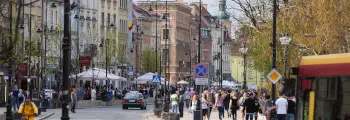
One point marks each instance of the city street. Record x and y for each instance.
(104, 113)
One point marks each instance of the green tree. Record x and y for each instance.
(148, 61)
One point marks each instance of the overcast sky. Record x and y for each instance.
(212, 5)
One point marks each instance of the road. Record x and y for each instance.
(105, 113)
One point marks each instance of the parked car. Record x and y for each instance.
(134, 100)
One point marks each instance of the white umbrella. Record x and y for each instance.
(98, 74)
(182, 82)
(148, 77)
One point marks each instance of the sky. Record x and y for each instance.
(212, 5)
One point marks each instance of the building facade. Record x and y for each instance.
(179, 38)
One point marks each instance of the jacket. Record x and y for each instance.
(28, 110)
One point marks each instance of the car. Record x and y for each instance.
(134, 92)
(134, 100)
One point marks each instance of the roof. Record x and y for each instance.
(140, 11)
(325, 65)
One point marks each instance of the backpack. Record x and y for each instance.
(269, 104)
(21, 97)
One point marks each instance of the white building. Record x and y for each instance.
(222, 29)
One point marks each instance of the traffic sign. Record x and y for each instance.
(274, 76)
(201, 81)
(131, 70)
(156, 79)
(201, 71)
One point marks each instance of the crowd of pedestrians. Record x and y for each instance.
(229, 101)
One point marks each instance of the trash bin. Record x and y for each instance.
(45, 103)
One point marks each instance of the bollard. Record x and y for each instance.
(197, 115)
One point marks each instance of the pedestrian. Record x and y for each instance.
(234, 105)
(211, 98)
(21, 97)
(282, 107)
(74, 98)
(28, 110)
(187, 98)
(14, 100)
(291, 108)
(249, 107)
(181, 103)
(204, 105)
(193, 103)
(227, 102)
(174, 101)
(257, 106)
(219, 104)
(269, 109)
(93, 94)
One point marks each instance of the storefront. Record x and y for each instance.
(323, 87)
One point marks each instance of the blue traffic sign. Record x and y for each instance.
(156, 79)
(201, 71)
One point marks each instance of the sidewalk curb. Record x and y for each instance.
(46, 116)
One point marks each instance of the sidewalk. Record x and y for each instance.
(42, 116)
(188, 116)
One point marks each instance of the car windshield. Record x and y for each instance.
(133, 96)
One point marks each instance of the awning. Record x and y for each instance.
(325, 65)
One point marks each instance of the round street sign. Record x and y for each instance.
(201, 71)
(274, 76)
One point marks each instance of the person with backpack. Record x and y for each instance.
(269, 109)
(20, 97)
(249, 107)
(28, 110)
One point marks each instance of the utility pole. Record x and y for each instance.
(199, 105)
(9, 82)
(30, 49)
(66, 46)
(220, 55)
(156, 50)
(274, 45)
(167, 58)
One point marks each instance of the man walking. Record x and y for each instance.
(282, 107)
(74, 98)
(249, 107)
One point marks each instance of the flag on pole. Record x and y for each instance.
(130, 26)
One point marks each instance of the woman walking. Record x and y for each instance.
(234, 105)
(204, 104)
(227, 102)
(220, 104)
(193, 103)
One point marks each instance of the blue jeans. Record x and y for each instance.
(249, 116)
(281, 116)
(290, 116)
(221, 111)
(174, 107)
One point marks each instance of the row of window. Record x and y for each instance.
(109, 22)
(123, 4)
(123, 26)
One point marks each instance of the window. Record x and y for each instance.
(102, 18)
(108, 19)
(114, 19)
(56, 19)
(332, 87)
(165, 33)
(87, 4)
(166, 55)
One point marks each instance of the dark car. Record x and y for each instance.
(134, 100)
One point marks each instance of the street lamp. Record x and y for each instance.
(285, 40)
(156, 88)
(244, 51)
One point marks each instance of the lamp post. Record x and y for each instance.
(66, 46)
(285, 40)
(244, 51)
(274, 45)
(9, 82)
(156, 50)
(167, 60)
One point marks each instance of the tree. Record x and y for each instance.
(148, 61)
(318, 27)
